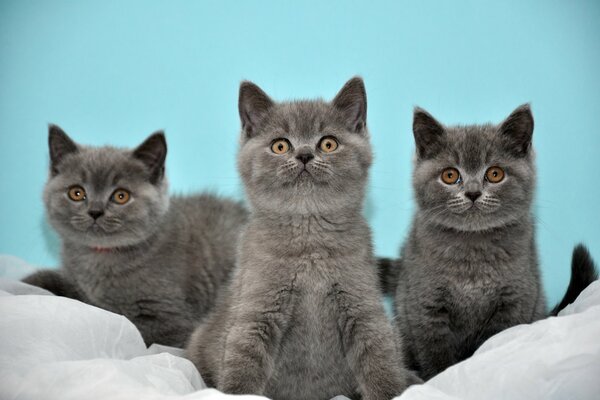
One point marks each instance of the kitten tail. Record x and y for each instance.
(388, 271)
(583, 272)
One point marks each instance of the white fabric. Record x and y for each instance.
(57, 348)
(556, 358)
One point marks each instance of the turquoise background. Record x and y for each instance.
(115, 71)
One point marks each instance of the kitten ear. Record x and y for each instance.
(428, 133)
(517, 130)
(253, 104)
(59, 144)
(153, 153)
(351, 100)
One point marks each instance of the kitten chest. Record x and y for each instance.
(312, 343)
(112, 282)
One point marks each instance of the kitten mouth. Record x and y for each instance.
(473, 207)
(304, 172)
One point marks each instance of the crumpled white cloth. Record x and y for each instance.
(57, 348)
(557, 358)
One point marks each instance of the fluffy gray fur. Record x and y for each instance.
(157, 260)
(303, 317)
(469, 267)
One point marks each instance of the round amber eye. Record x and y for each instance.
(120, 196)
(494, 174)
(280, 146)
(76, 193)
(328, 144)
(450, 176)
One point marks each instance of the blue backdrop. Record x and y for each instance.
(114, 71)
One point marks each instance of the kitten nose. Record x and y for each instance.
(473, 195)
(96, 213)
(305, 157)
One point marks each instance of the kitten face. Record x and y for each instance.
(105, 197)
(304, 156)
(473, 178)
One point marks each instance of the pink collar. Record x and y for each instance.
(102, 250)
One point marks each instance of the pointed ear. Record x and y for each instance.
(428, 134)
(253, 104)
(153, 153)
(517, 130)
(351, 100)
(59, 144)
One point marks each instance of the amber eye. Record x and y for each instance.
(494, 174)
(328, 144)
(76, 193)
(450, 176)
(280, 146)
(120, 196)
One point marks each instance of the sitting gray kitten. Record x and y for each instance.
(303, 318)
(129, 248)
(469, 268)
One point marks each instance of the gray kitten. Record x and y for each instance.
(303, 318)
(129, 248)
(469, 268)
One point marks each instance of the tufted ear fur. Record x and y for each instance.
(351, 100)
(153, 152)
(517, 130)
(59, 144)
(253, 104)
(428, 133)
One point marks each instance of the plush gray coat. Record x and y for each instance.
(469, 267)
(159, 261)
(303, 318)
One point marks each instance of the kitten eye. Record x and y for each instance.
(450, 176)
(120, 196)
(494, 174)
(76, 193)
(328, 144)
(280, 146)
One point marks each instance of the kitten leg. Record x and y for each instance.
(253, 341)
(56, 282)
(510, 310)
(368, 341)
(163, 320)
(431, 338)
(170, 329)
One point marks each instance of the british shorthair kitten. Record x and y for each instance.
(469, 268)
(130, 248)
(303, 318)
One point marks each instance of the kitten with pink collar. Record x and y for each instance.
(130, 248)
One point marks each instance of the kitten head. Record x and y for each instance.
(105, 197)
(307, 156)
(477, 177)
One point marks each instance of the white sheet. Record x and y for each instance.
(556, 358)
(57, 348)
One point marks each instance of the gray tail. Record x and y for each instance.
(583, 272)
(388, 270)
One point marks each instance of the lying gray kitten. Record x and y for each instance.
(129, 248)
(303, 318)
(469, 268)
